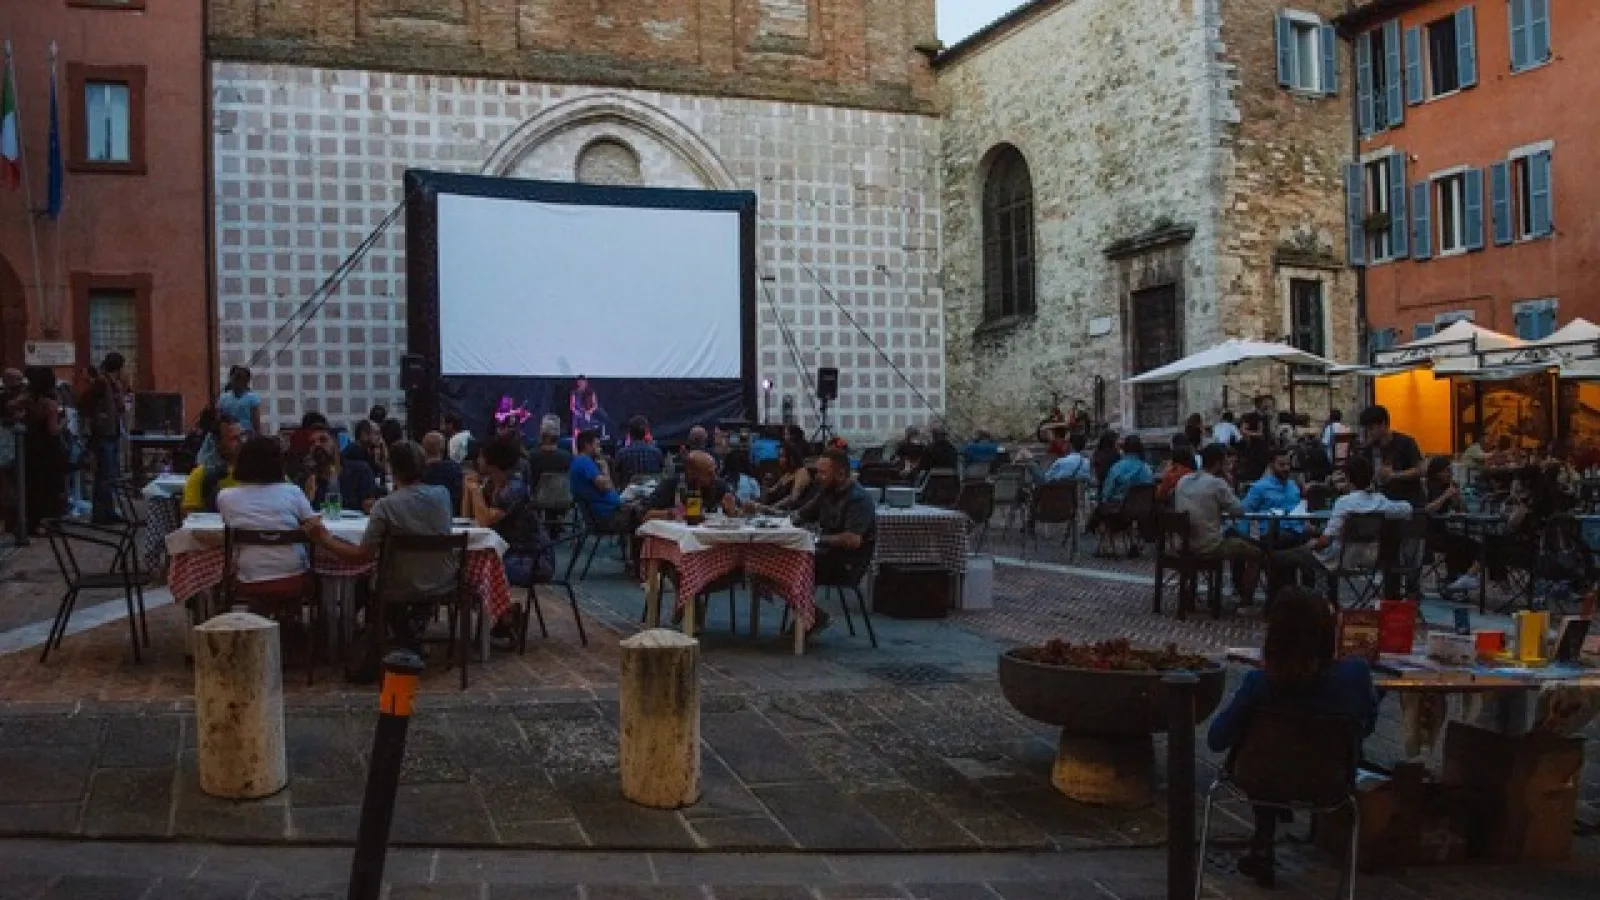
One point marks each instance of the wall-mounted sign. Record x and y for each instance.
(50, 353)
(1099, 326)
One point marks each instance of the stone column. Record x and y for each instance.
(659, 707)
(238, 701)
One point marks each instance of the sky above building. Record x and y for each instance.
(960, 18)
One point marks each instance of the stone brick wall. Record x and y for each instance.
(309, 161)
(1159, 133)
(1106, 107)
(844, 52)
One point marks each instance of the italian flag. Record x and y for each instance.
(10, 137)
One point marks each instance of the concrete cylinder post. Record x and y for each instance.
(659, 711)
(238, 679)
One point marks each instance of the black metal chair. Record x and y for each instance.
(848, 579)
(977, 502)
(565, 530)
(458, 600)
(1297, 762)
(876, 475)
(1175, 554)
(942, 488)
(236, 591)
(67, 538)
(871, 455)
(1405, 550)
(1009, 490)
(1360, 563)
(130, 506)
(1137, 506)
(1054, 503)
(594, 533)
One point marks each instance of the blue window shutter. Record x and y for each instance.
(1414, 86)
(1522, 320)
(1393, 95)
(1364, 86)
(1421, 330)
(1355, 214)
(1421, 221)
(1472, 208)
(1547, 320)
(1467, 46)
(1520, 48)
(1500, 203)
(1329, 40)
(1286, 65)
(1538, 31)
(1398, 223)
(1539, 200)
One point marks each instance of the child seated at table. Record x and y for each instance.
(1298, 672)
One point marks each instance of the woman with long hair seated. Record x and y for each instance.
(793, 486)
(264, 500)
(1298, 673)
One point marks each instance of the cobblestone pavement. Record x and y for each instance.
(38, 870)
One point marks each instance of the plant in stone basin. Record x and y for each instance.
(1117, 655)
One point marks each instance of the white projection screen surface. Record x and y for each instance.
(534, 289)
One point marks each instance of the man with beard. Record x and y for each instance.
(351, 476)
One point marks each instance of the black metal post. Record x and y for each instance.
(401, 669)
(1181, 854)
(20, 434)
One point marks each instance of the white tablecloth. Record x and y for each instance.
(347, 528)
(699, 538)
(164, 486)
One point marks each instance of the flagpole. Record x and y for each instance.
(58, 201)
(27, 182)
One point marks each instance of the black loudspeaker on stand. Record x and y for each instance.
(827, 392)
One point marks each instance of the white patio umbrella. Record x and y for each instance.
(1228, 355)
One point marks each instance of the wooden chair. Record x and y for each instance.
(1297, 762)
(1054, 503)
(977, 502)
(236, 591)
(1174, 554)
(458, 599)
(1137, 506)
(67, 538)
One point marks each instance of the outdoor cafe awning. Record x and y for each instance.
(1228, 355)
(1577, 340)
(1460, 339)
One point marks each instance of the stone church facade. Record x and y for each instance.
(825, 108)
(1129, 181)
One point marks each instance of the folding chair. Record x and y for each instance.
(1297, 762)
(1360, 559)
(1173, 553)
(458, 599)
(234, 590)
(67, 538)
(1054, 503)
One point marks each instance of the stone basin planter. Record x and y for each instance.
(1107, 718)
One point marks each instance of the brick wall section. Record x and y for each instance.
(1132, 123)
(839, 52)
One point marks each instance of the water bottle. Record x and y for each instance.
(333, 504)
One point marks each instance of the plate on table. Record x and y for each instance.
(351, 514)
(722, 524)
(463, 523)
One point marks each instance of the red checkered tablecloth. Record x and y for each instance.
(921, 536)
(792, 572)
(192, 573)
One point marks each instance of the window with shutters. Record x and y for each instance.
(1379, 53)
(1307, 52)
(1444, 76)
(1530, 34)
(1421, 330)
(1008, 276)
(1530, 196)
(1381, 339)
(1450, 202)
(105, 108)
(1535, 319)
(1379, 221)
(1446, 319)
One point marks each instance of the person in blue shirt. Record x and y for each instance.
(1128, 471)
(982, 449)
(590, 478)
(1276, 491)
(1298, 673)
(1075, 466)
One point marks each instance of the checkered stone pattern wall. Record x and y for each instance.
(309, 161)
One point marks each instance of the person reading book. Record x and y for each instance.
(1298, 673)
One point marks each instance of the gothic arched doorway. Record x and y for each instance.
(13, 316)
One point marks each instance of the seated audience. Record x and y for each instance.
(940, 452)
(325, 466)
(418, 509)
(699, 475)
(1322, 552)
(739, 475)
(205, 482)
(1505, 455)
(264, 500)
(793, 487)
(459, 439)
(846, 517)
(366, 445)
(1128, 472)
(1226, 432)
(1105, 455)
(1072, 467)
(1182, 463)
(300, 445)
(1206, 496)
(498, 497)
(440, 470)
(981, 449)
(908, 447)
(1298, 674)
(1276, 491)
(641, 456)
(548, 457)
(592, 485)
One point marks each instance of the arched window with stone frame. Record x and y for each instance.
(608, 161)
(1008, 257)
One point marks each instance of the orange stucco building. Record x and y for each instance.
(124, 266)
(1476, 189)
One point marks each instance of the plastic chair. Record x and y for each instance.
(1293, 761)
(234, 590)
(1054, 503)
(1174, 553)
(66, 538)
(459, 600)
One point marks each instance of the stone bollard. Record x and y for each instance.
(238, 704)
(659, 711)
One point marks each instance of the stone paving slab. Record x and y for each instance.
(107, 871)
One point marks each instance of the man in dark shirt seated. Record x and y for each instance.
(846, 517)
(641, 456)
(358, 485)
(941, 453)
(441, 470)
(699, 474)
(548, 456)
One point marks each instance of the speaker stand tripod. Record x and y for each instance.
(824, 434)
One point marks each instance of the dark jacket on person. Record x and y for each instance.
(446, 473)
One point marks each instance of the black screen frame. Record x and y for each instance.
(422, 190)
